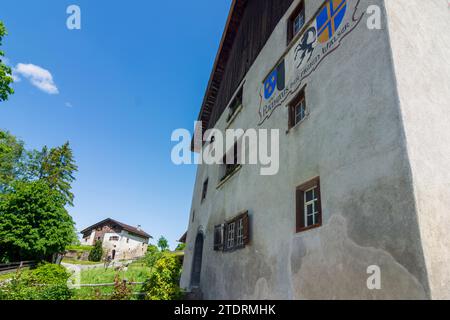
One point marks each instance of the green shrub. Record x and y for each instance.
(96, 253)
(164, 280)
(46, 282)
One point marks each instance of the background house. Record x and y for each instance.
(119, 240)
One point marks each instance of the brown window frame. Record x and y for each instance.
(293, 104)
(205, 189)
(301, 224)
(290, 25)
(221, 233)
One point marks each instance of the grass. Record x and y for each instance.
(137, 272)
(80, 262)
(79, 248)
(10, 275)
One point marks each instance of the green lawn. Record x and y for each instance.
(80, 262)
(79, 248)
(10, 275)
(136, 272)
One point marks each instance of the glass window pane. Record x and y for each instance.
(309, 195)
(310, 221)
(310, 209)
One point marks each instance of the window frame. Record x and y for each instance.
(301, 211)
(240, 223)
(205, 189)
(292, 109)
(236, 104)
(300, 9)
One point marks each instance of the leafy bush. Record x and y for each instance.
(122, 291)
(47, 282)
(164, 280)
(96, 253)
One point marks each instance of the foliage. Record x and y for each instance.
(34, 224)
(46, 282)
(34, 190)
(163, 244)
(11, 151)
(180, 247)
(136, 272)
(55, 166)
(96, 253)
(163, 282)
(122, 290)
(5, 71)
(151, 257)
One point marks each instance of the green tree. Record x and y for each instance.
(55, 166)
(164, 280)
(5, 71)
(11, 153)
(180, 247)
(96, 253)
(33, 222)
(163, 244)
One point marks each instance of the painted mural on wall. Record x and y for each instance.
(334, 21)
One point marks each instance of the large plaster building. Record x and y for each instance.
(119, 240)
(364, 177)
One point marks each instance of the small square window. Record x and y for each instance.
(308, 202)
(296, 22)
(297, 109)
(235, 104)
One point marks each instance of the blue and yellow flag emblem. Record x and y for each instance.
(275, 81)
(330, 18)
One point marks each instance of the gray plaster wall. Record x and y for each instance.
(354, 139)
(421, 53)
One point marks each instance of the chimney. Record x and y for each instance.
(139, 227)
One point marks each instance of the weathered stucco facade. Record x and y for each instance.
(378, 136)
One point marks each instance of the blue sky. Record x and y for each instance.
(116, 89)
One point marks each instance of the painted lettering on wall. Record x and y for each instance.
(334, 21)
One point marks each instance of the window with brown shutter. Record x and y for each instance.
(219, 237)
(232, 235)
(308, 206)
(296, 22)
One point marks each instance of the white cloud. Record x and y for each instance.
(68, 105)
(38, 77)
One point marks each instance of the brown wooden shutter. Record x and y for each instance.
(300, 207)
(246, 224)
(319, 202)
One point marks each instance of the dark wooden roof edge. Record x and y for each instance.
(220, 62)
(183, 238)
(124, 226)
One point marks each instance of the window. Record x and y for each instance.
(128, 240)
(114, 238)
(205, 189)
(308, 203)
(233, 234)
(297, 109)
(235, 104)
(218, 237)
(193, 215)
(230, 235)
(296, 21)
(231, 165)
